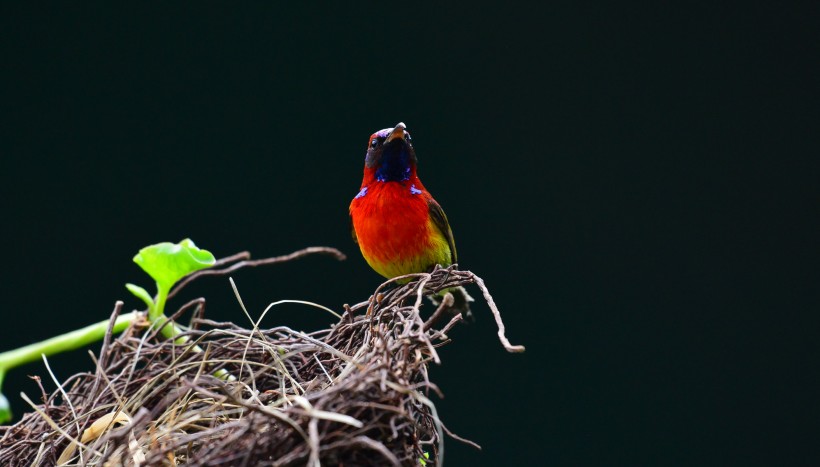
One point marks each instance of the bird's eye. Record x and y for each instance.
(408, 138)
(374, 143)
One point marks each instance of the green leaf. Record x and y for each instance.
(168, 262)
(423, 460)
(142, 294)
(5, 410)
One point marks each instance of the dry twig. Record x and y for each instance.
(353, 394)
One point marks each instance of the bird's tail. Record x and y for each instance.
(461, 302)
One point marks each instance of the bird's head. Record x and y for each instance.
(390, 156)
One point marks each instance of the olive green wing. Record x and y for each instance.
(440, 221)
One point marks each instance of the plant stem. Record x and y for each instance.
(156, 314)
(159, 302)
(171, 330)
(62, 343)
(5, 409)
(58, 344)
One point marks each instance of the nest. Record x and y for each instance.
(356, 394)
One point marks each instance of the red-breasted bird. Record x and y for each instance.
(398, 225)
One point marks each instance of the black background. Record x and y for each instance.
(636, 184)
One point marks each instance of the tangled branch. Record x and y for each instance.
(356, 393)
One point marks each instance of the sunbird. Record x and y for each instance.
(398, 225)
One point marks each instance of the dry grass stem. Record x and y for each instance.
(356, 393)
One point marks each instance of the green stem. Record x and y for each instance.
(5, 408)
(62, 343)
(171, 330)
(159, 302)
(88, 335)
(157, 314)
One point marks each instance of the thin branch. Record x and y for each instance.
(248, 263)
(497, 314)
(443, 307)
(355, 393)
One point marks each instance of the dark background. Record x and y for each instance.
(636, 184)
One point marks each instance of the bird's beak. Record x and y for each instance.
(397, 133)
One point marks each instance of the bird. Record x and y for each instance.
(399, 227)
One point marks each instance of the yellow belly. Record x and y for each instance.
(436, 250)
